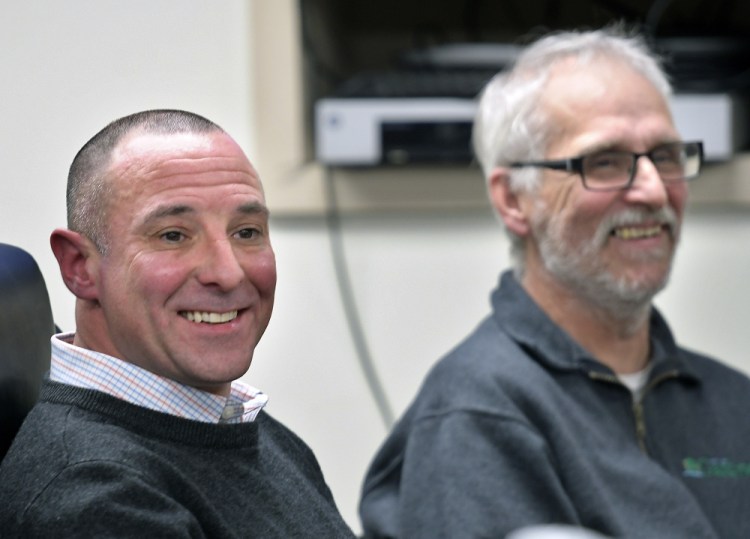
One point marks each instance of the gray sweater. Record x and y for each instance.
(520, 426)
(86, 464)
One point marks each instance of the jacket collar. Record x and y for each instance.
(527, 324)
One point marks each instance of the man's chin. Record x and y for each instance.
(636, 290)
(213, 366)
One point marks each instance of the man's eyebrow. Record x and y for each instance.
(160, 212)
(167, 211)
(253, 208)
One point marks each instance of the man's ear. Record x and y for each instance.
(78, 258)
(507, 202)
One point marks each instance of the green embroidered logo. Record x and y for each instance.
(714, 467)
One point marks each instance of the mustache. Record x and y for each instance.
(665, 216)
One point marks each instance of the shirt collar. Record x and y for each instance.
(93, 370)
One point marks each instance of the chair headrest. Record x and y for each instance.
(26, 325)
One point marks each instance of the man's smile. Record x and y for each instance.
(209, 317)
(637, 233)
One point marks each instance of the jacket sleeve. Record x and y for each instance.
(475, 474)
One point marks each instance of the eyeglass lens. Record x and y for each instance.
(611, 169)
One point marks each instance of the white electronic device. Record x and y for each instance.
(360, 132)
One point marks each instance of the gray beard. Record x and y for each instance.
(581, 270)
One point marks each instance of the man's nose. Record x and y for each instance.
(647, 188)
(219, 265)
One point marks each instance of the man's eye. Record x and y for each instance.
(665, 156)
(604, 160)
(173, 236)
(247, 233)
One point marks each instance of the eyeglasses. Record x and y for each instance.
(613, 170)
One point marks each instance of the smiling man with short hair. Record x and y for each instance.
(143, 427)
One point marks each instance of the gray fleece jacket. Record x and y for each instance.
(519, 426)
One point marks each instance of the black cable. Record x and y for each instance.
(333, 220)
(654, 15)
(619, 9)
(322, 69)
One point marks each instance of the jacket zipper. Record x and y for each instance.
(637, 403)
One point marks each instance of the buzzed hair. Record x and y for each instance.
(87, 190)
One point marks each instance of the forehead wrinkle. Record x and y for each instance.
(163, 174)
(175, 166)
(144, 163)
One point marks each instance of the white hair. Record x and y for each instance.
(511, 126)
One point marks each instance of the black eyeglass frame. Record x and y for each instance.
(575, 164)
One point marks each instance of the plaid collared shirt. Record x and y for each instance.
(93, 370)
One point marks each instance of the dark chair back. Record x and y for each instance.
(26, 325)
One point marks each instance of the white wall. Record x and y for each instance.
(421, 281)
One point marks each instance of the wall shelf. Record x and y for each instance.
(286, 85)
